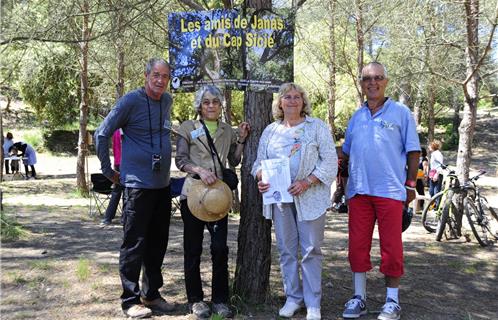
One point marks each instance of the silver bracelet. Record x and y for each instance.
(410, 188)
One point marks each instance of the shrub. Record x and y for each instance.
(10, 229)
(35, 139)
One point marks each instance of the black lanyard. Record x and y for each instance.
(160, 123)
(212, 147)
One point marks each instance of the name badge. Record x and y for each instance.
(197, 133)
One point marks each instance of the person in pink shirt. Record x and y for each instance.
(110, 212)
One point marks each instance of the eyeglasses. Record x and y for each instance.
(374, 78)
(289, 98)
(157, 76)
(207, 102)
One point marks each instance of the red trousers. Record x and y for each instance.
(363, 212)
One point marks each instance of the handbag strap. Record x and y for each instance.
(211, 144)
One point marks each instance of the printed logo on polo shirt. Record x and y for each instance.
(386, 124)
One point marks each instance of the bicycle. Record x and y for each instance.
(431, 215)
(476, 209)
(450, 216)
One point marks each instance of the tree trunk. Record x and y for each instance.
(254, 239)
(431, 100)
(417, 106)
(228, 106)
(228, 119)
(332, 68)
(404, 95)
(360, 47)
(470, 89)
(82, 139)
(252, 272)
(456, 115)
(9, 99)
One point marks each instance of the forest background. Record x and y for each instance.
(69, 61)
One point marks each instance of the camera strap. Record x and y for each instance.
(160, 123)
(212, 147)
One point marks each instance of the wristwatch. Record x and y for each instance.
(309, 180)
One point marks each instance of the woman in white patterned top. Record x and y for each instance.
(309, 145)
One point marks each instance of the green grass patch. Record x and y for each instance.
(475, 267)
(17, 278)
(455, 264)
(44, 265)
(36, 282)
(83, 269)
(105, 268)
(65, 284)
(10, 229)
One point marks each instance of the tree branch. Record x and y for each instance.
(193, 5)
(41, 38)
(486, 49)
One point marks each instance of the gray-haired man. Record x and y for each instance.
(144, 116)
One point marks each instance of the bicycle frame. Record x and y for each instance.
(434, 207)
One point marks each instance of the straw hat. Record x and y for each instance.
(209, 203)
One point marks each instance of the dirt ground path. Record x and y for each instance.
(66, 265)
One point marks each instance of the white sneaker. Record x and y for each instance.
(289, 309)
(390, 310)
(313, 314)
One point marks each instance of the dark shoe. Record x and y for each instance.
(223, 310)
(158, 305)
(200, 310)
(138, 311)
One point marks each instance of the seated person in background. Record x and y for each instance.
(29, 153)
(7, 143)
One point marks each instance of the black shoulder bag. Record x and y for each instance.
(229, 176)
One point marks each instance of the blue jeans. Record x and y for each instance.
(435, 186)
(110, 212)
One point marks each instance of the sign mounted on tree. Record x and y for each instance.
(250, 50)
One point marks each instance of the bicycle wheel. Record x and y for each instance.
(479, 223)
(448, 219)
(487, 208)
(443, 221)
(491, 216)
(432, 212)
